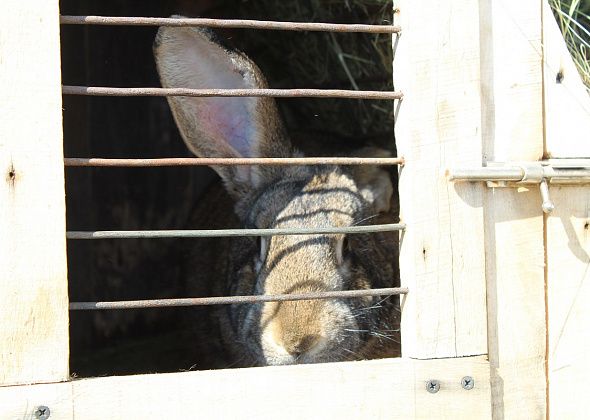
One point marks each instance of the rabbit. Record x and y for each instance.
(293, 332)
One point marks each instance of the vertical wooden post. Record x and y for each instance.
(568, 291)
(33, 277)
(512, 119)
(437, 65)
(472, 75)
(567, 124)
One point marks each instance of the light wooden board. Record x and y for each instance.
(516, 303)
(567, 103)
(512, 120)
(568, 291)
(567, 124)
(21, 402)
(380, 389)
(33, 281)
(437, 65)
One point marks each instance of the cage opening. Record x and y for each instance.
(149, 340)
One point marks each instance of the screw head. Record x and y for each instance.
(432, 386)
(467, 382)
(42, 412)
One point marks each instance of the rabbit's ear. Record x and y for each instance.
(216, 126)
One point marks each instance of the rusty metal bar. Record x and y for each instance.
(275, 93)
(232, 300)
(210, 233)
(231, 161)
(228, 23)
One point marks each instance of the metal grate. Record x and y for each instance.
(149, 91)
(231, 161)
(275, 93)
(228, 23)
(227, 300)
(129, 234)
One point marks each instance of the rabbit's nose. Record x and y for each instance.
(305, 344)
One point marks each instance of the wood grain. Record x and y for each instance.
(438, 126)
(568, 291)
(512, 84)
(379, 389)
(567, 103)
(33, 279)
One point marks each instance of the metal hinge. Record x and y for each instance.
(515, 174)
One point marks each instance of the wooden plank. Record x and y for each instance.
(567, 123)
(21, 402)
(378, 389)
(33, 286)
(512, 120)
(568, 291)
(516, 303)
(438, 126)
(567, 103)
(567, 108)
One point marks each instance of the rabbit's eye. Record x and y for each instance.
(262, 244)
(342, 249)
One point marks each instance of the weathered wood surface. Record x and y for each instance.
(379, 389)
(33, 280)
(437, 65)
(567, 124)
(567, 103)
(512, 115)
(568, 292)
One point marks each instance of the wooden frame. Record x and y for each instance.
(484, 266)
(513, 131)
(369, 389)
(33, 270)
(567, 124)
(439, 125)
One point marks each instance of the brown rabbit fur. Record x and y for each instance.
(281, 197)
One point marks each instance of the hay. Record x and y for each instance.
(326, 60)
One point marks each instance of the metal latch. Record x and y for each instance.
(515, 174)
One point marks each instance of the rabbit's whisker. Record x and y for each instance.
(365, 219)
(355, 354)
(386, 337)
(368, 308)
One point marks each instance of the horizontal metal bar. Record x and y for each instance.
(567, 175)
(209, 233)
(275, 93)
(228, 23)
(226, 300)
(528, 173)
(486, 174)
(231, 161)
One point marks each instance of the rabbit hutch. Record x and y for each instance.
(492, 178)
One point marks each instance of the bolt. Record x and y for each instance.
(42, 412)
(467, 383)
(432, 386)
